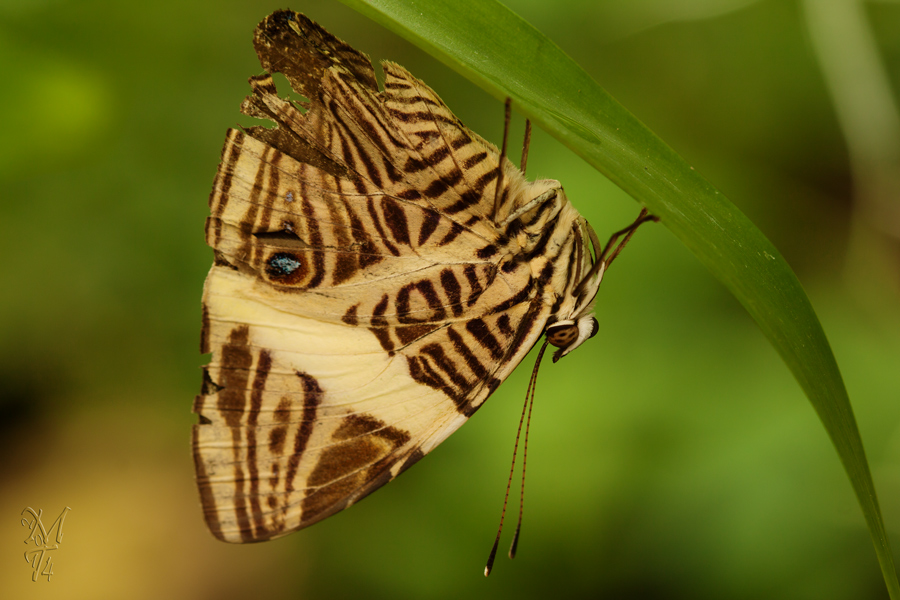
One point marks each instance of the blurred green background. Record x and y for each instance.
(672, 457)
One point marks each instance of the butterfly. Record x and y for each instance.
(379, 270)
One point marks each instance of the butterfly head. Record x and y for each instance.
(574, 321)
(569, 334)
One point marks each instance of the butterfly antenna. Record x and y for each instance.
(627, 232)
(528, 394)
(508, 111)
(525, 146)
(532, 385)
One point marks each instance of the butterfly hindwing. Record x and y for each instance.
(364, 301)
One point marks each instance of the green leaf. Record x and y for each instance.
(492, 46)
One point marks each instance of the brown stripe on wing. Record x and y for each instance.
(263, 366)
(429, 224)
(233, 367)
(379, 325)
(362, 447)
(249, 219)
(204, 330)
(396, 220)
(453, 291)
(480, 331)
(218, 197)
(312, 397)
(207, 497)
(425, 288)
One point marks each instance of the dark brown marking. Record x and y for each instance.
(277, 437)
(339, 129)
(472, 361)
(522, 295)
(248, 221)
(427, 291)
(370, 123)
(418, 115)
(486, 252)
(312, 397)
(440, 358)
(346, 262)
(429, 224)
(451, 235)
(366, 253)
(425, 137)
(395, 84)
(409, 195)
(526, 325)
(273, 479)
(437, 157)
(271, 187)
(413, 165)
(350, 317)
(436, 188)
(475, 288)
(358, 462)
(235, 371)
(204, 329)
(485, 179)
(346, 265)
(395, 218)
(510, 266)
(546, 272)
(453, 177)
(371, 169)
(263, 366)
(504, 326)
(380, 325)
(413, 100)
(358, 424)
(377, 222)
(315, 240)
(541, 246)
(474, 160)
(410, 333)
(453, 290)
(422, 371)
(222, 186)
(210, 511)
(343, 460)
(467, 199)
(462, 140)
(480, 331)
(240, 497)
(282, 412)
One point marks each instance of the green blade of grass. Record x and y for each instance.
(490, 45)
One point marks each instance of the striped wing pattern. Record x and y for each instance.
(365, 299)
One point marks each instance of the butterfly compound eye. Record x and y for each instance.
(563, 335)
(594, 327)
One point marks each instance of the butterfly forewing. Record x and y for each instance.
(364, 300)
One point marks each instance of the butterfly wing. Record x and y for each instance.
(362, 303)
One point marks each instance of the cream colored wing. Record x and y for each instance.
(364, 300)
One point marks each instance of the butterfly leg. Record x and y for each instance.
(627, 232)
(537, 201)
(525, 144)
